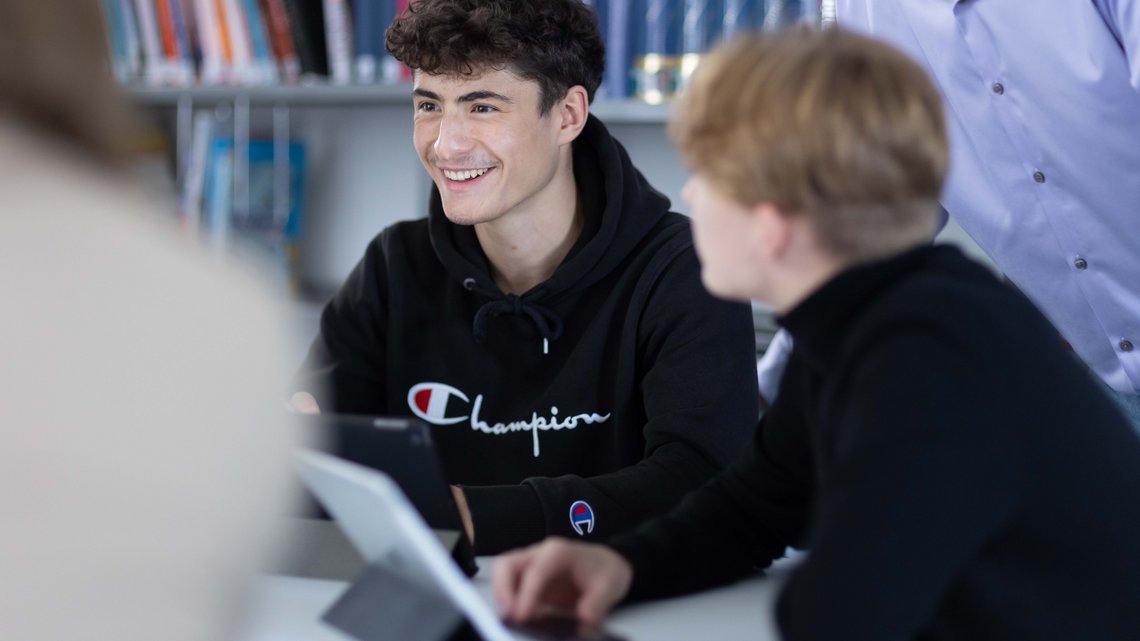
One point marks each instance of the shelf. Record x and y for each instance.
(269, 95)
(611, 111)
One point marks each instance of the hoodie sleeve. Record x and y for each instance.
(344, 368)
(698, 385)
(743, 519)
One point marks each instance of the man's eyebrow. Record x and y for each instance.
(467, 97)
(484, 95)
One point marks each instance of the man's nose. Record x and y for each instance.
(453, 137)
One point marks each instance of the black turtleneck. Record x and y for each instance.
(618, 382)
(955, 472)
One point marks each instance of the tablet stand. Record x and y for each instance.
(383, 606)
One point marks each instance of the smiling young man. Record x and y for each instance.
(943, 503)
(547, 318)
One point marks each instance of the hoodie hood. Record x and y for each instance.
(619, 208)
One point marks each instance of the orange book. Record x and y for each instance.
(166, 28)
(224, 32)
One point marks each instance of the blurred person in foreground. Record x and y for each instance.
(142, 460)
(944, 504)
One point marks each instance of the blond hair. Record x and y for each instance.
(827, 124)
(54, 75)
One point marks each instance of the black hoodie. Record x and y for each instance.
(580, 408)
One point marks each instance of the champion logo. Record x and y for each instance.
(582, 517)
(430, 401)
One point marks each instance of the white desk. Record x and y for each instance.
(288, 608)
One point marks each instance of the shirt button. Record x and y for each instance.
(998, 88)
(1080, 263)
(1038, 176)
(1126, 345)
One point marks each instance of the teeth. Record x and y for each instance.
(464, 175)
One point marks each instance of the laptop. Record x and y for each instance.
(402, 448)
(411, 591)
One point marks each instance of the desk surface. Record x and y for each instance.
(288, 608)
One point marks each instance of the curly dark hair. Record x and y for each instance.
(555, 43)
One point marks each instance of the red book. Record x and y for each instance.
(401, 7)
(278, 21)
(166, 28)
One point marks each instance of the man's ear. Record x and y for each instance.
(772, 231)
(572, 112)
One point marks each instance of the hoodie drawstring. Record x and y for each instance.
(548, 323)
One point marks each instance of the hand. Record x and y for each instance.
(584, 578)
(464, 512)
(304, 403)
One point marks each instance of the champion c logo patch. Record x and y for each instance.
(429, 402)
(582, 516)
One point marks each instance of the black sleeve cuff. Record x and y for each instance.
(504, 517)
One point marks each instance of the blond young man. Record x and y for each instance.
(937, 501)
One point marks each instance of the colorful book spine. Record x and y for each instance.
(264, 63)
(182, 64)
(166, 30)
(219, 192)
(113, 18)
(280, 36)
(399, 72)
(381, 20)
(214, 68)
(780, 14)
(657, 63)
(338, 37)
(366, 64)
(700, 28)
(740, 15)
(239, 36)
(617, 17)
(306, 19)
(154, 60)
(227, 43)
(131, 38)
(193, 187)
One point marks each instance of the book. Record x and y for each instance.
(656, 71)
(264, 63)
(154, 70)
(194, 182)
(779, 14)
(219, 192)
(366, 62)
(131, 38)
(182, 38)
(394, 70)
(271, 226)
(235, 26)
(213, 66)
(281, 39)
(175, 45)
(338, 39)
(113, 21)
(307, 22)
(700, 29)
(615, 20)
(740, 15)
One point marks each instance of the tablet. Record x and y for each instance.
(402, 448)
(393, 538)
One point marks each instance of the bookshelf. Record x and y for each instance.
(363, 173)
